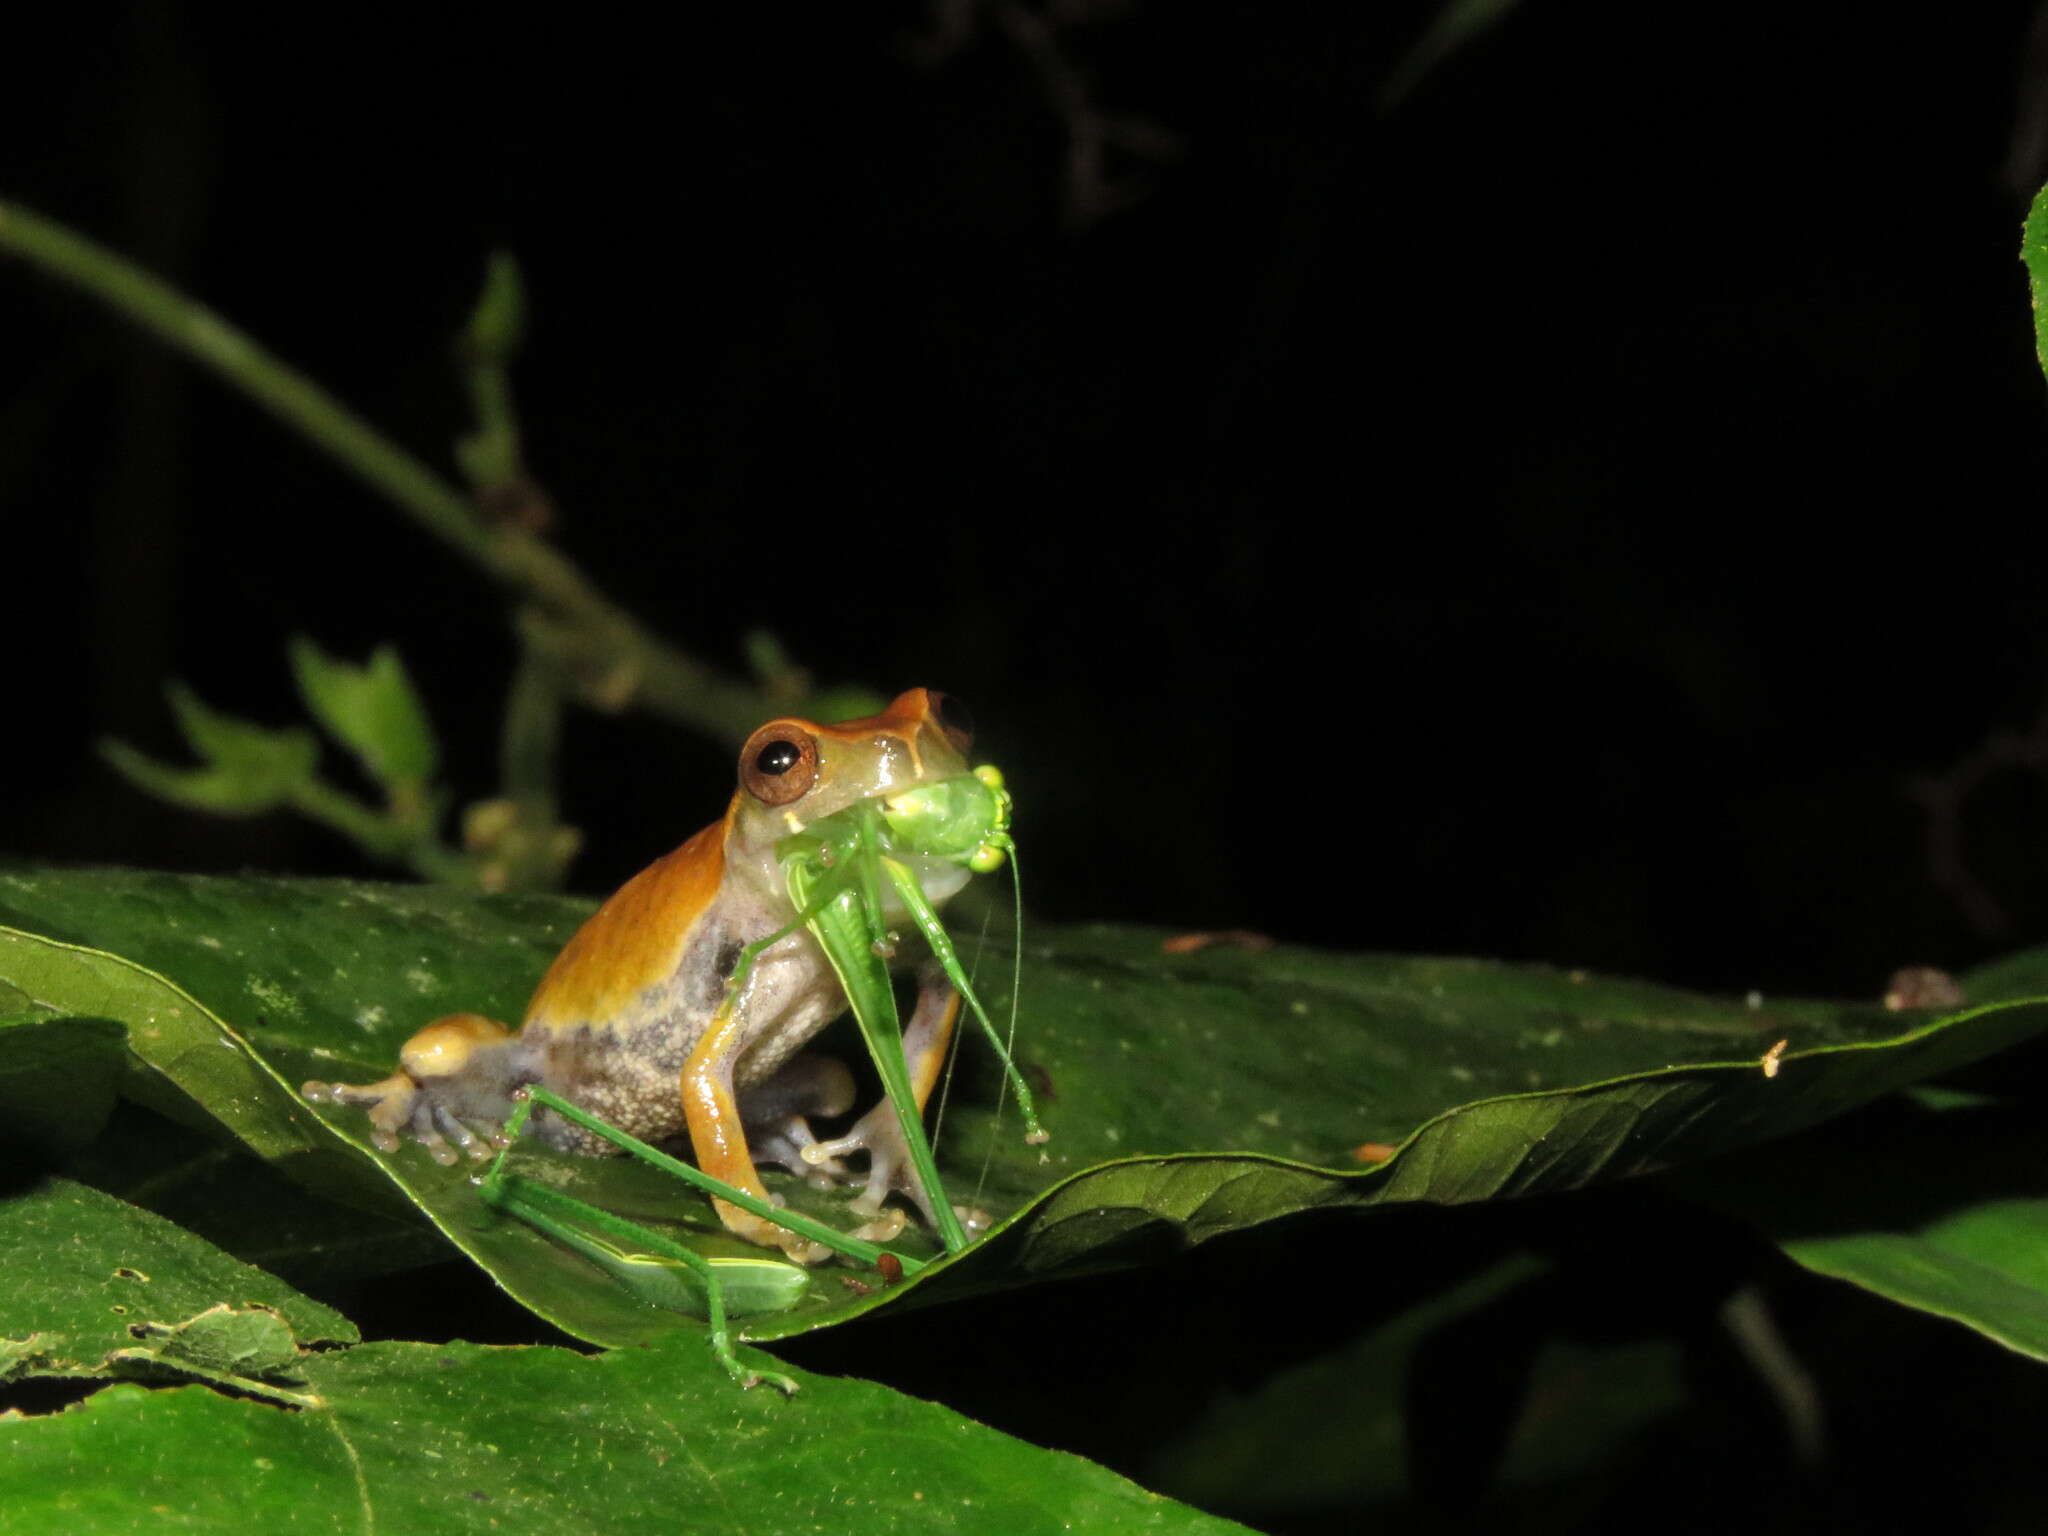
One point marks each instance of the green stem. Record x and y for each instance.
(665, 679)
(531, 848)
(379, 833)
(490, 455)
(533, 727)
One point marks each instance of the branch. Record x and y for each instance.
(616, 658)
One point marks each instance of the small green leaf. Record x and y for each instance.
(17, 1356)
(1985, 1266)
(373, 710)
(248, 768)
(1330, 1432)
(489, 456)
(96, 1276)
(2034, 253)
(231, 1340)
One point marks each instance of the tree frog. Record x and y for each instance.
(633, 1020)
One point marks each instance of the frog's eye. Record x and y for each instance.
(779, 763)
(953, 719)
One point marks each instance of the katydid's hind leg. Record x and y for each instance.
(879, 1133)
(451, 1093)
(778, 1114)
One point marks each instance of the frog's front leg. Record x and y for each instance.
(879, 1132)
(777, 1115)
(455, 1074)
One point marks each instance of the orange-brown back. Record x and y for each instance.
(635, 940)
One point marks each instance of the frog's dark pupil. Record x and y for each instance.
(953, 715)
(777, 758)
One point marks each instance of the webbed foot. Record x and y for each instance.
(890, 1170)
(437, 1095)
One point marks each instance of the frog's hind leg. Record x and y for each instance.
(457, 1072)
(719, 1140)
(879, 1133)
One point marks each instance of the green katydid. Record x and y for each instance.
(706, 973)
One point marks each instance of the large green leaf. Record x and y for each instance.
(1189, 1094)
(1984, 1265)
(1938, 1209)
(188, 1047)
(417, 1437)
(420, 1437)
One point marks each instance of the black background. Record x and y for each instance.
(1553, 517)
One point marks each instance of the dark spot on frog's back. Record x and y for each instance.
(728, 958)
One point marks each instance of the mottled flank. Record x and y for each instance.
(628, 1078)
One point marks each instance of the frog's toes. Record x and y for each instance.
(788, 1143)
(486, 1141)
(758, 1229)
(450, 1073)
(890, 1170)
(777, 1115)
(395, 1105)
(402, 1110)
(822, 1157)
(885, 1228)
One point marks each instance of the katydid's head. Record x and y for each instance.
(964, 819)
